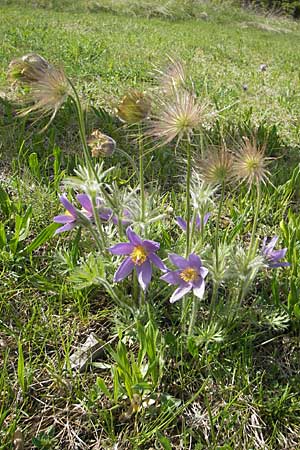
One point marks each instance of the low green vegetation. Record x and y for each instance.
(181, 126)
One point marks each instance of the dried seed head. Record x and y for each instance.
(48, 93)
(27, 69)
(178, 117)
(101, 144)
(217, 166)
(134, 107)
(250, 163)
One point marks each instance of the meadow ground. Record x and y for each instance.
(233, 382)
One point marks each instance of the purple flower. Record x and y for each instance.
(71, 217)
(182, 223)
(272, 256)
(190, 276)
(141, 255)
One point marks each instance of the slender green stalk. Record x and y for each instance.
(252, 248)
(188, 224)
(135, 288)
(254, 226)
(202, 228)
(188, 199)
(194, 312)
(141, 176)
(96, 237)
(142, 298)
(216, 283)
(82, 130)
(98, 222)
(218, 226)
(120, 228)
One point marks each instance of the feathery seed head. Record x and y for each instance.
(28, 68)
(217, 166)
(250, 163)
(48, 93)
(101, 144)
(178, 117)
(134, 107)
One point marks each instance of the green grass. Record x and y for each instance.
(237, 385)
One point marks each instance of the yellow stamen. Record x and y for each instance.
(67, 213)
(138, 255)
(189, 274)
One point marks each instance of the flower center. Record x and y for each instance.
(253, 164)
(138, 255)
(189, 274)
(67, 213)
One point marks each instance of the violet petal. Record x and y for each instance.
(172, 277)
(195, 261)
(124, 269)
(63, 219)
(279, 264)
(203, 272)
(272, 244)
(199, 291)
(178, 261)
(181, 223)
(67, 227)
(123, 248)
(133, 237)
(180, 292)
(68, 205)
(144, 273)
(206, 217)
(151, 246)
(157, 261)
(85, 202)
(278, 254)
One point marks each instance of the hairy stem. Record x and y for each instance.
(188, 199)
(194, 312)
(216, 283)
(98, 222)
(188, 224)
(218, 226)
(82, 130)
(141, 176)
(252, 247)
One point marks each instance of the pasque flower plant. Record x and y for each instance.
(179, 115)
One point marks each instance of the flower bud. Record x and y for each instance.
(134, 107)
(101, 144)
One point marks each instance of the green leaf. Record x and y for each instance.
(163, 441)
(21, 367)
(297, 310)
(5, 202)
(3, 239)
(102, 386)
(89, 273)
(43, 237)
(34, 165)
